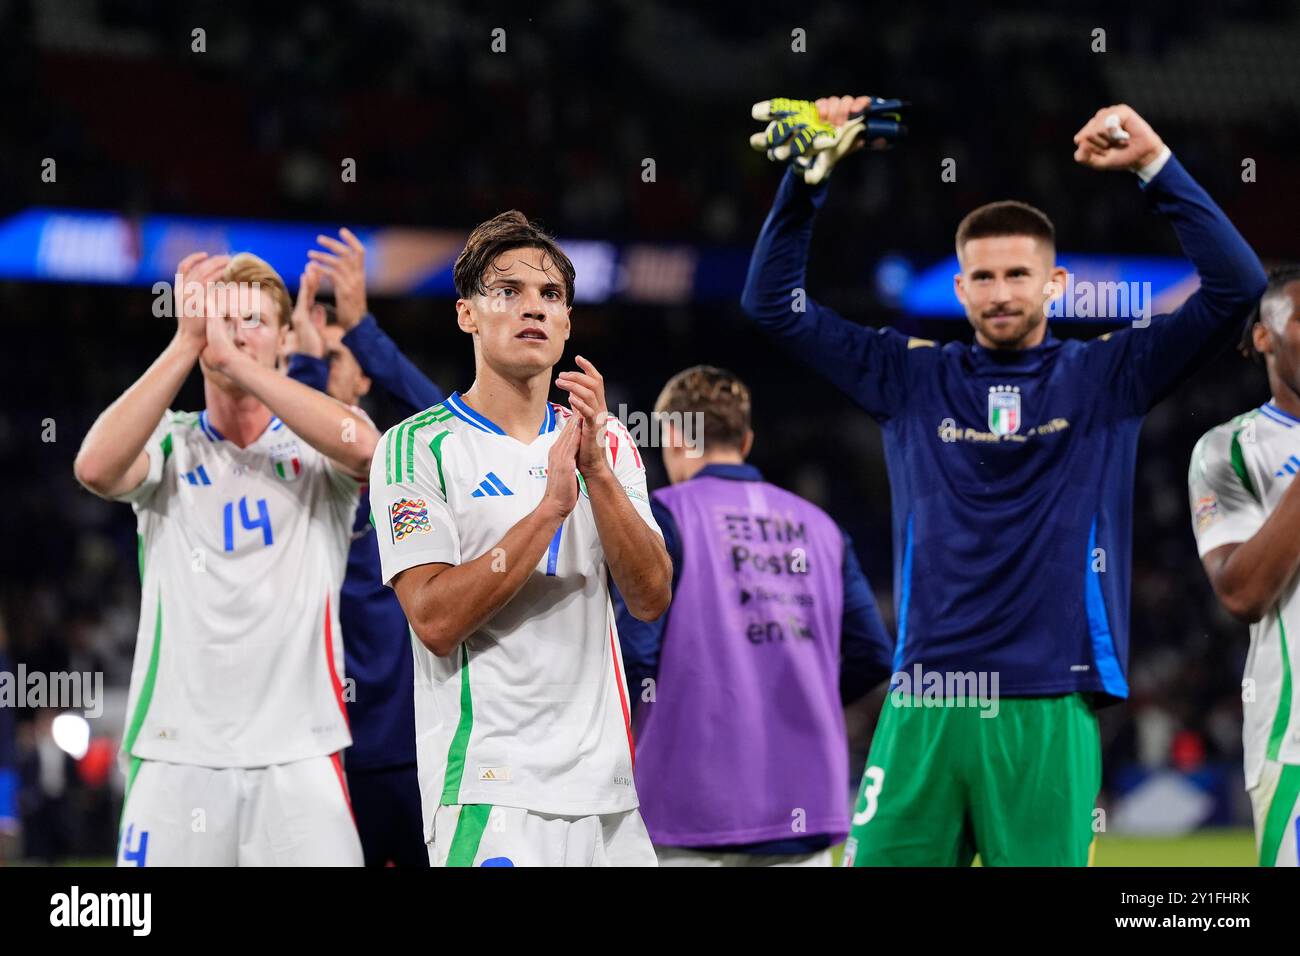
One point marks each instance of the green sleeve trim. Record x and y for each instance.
(399, 450)
(167, 446)
(435, 446)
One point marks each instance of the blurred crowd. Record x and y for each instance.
(445, 132)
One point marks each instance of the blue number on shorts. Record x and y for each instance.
(136, 854)
(263, 521)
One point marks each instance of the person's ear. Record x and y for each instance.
(747, 445)
(1058, 276)
(1262, 336)
(465, 316)
(363, 385)
(959, 288)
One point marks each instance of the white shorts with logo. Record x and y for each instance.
(292, 814)
(484, 835)
(684, 856)
(1275, 801)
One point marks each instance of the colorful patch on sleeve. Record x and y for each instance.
(409, 516)
(1206, 510)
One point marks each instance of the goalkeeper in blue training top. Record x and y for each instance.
(1011, 461)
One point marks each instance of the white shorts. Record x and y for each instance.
(1275, 801)
(685, 856)
(292, 814)
(485, 835)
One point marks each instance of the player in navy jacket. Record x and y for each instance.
(345, 358)
(1011, 463)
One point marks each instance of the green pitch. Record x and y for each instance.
(1219, 847)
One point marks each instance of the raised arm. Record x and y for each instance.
(868, 365)
(112, 461)
(329, 426)
(389, 368)
(343, 262)
(1158, 352)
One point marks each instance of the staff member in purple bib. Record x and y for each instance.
(741, 749)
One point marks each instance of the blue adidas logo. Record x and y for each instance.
(1289, 467)
(197, 477)
(491, 487)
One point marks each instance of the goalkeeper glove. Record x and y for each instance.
(795, 132)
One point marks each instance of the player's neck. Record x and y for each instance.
(238, 416)
(1284, 396)
(517, 406)
(693, 466)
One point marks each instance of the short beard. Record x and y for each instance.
(1014, 339)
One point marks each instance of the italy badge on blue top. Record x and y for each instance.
(1004, 409)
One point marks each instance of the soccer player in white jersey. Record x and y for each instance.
(244, 510)
(1245, 502)
(497, 514)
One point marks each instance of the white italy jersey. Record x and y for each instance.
(532, 710)
(238, 660)
(1239, 472)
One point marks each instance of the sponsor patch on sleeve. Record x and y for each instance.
(1206, 510)
(409, 516)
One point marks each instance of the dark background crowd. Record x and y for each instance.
(445, 133)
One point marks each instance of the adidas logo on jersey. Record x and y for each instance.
(1289, 467)
(198, 476)
(491, 487)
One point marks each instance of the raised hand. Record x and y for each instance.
(587, 399)
(1117, 138)
(306, 321)
(814, 135)
(219, 329)
(561, 469)
(345, 266)
(191, 297)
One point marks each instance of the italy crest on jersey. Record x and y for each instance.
(1004, 409)
(286, 461)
